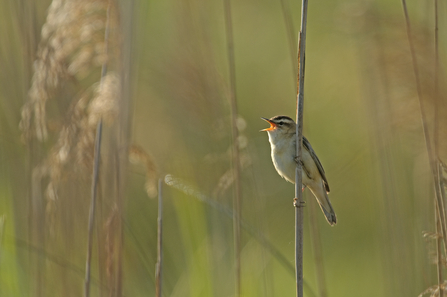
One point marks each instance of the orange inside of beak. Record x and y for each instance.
(272, 125)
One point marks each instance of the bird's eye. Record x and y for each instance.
(281, 123)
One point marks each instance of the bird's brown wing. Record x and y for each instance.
(307, 146)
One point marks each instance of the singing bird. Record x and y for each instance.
(283, 144)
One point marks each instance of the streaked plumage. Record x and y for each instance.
(283, 144)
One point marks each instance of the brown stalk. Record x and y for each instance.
(316, 249)
(438, 167)
(290, 33)
(97, 154)
(91, 219)
(236, 158)
(298, 201)
(438, 250)
(159, 265)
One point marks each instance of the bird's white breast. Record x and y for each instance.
(283, 157)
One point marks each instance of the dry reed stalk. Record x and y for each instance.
(237, 196)
(2, 228)
(290, 34)
(436, 79)
(438, 249)
(317, 249)
(438, 226)
(123, 129)
(91, 219)
(298, 201)
(159, 265)
(111, 252)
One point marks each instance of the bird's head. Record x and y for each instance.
(280, 125)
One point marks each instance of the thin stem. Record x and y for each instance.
(438, 250)
(431, 156)
(91, 219)
(236, 158)
(290, 33)
(437, 99)
(2, 228)
(299, 203)
(106, 39)
(96, 165)
(317, 250)
(159, 265)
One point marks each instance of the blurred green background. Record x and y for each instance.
(361, 114)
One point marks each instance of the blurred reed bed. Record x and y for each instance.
(402, 160)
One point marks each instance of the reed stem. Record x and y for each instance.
(159, 265)
(236, 158)
(91, 220)
(298, 201)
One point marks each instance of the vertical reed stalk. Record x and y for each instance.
(159, 265)
(438, 167)
(298, 201)
(316, 248)
(2, 228)
(91, 219)
(438, 250)
(127, 23)
(97, 155)
(290, 33)
(236, 158)
(437, 99)
(431, 154)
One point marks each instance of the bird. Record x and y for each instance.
(282, 138)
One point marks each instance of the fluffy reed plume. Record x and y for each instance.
(71, 52)
(72, 42)
(138, 155)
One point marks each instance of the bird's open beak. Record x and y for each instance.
(272, 125)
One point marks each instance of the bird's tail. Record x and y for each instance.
(325, 204)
